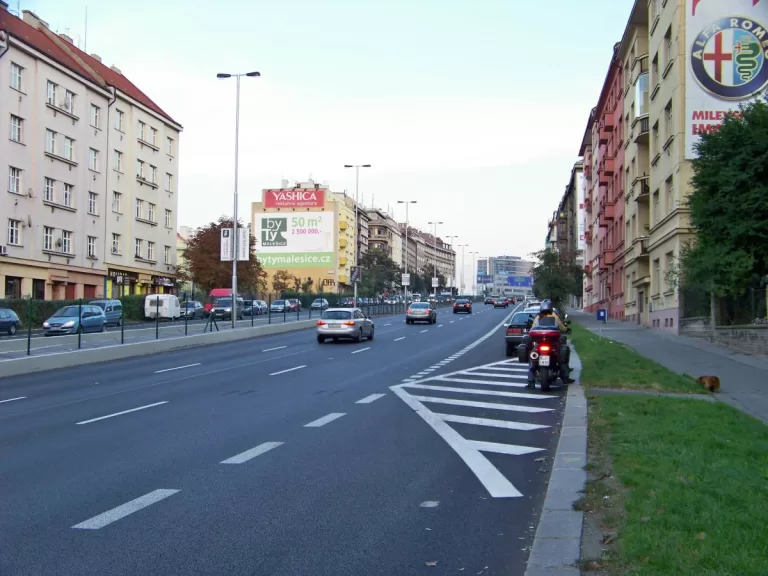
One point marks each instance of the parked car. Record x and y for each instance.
(9, 321)
(222, 310)
(74, 319)
(462, 305)
(518, 327)
(420, 312)
(260, 307)
(279, 306)
(319, 304)
(344, 323)
(192, 310)
(294, 304)
(113, 310)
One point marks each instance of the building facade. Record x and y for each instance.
(384, 234)
(58, 106)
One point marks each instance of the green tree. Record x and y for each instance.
(379, 272)
(729, 205)
(306, 285)
(204, 267)
(556, 276)
(427, 273)
(281, 280)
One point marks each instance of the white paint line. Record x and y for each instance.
(440, 325)
(369, 399)
(492, 422)
(324, 420)
(428, 370)
(503, 448)
(12, 399)
(177, 368)
(390, 324)
(430, 504)
(518, 368)
(401, 338)
(480, 392)
(273, 349)
(252, 453)
(452, 321)
(423, 331)
(501, 377)
(486, 405)
(289, 370)
(124, 510)
(493, 480)
(452, 380)
(123, 412)
(361, 350)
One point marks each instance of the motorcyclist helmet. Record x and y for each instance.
(546, 307)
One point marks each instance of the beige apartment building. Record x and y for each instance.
(385, 235)
(79, 222)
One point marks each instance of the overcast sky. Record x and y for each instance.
(473, 108)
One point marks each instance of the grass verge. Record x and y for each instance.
(677, 487)
(610, 364)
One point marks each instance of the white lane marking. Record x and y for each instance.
(423, 331)
(430, 504)
(288, 370)
(452, 380)
(522, 374)
(177, 368)
(252, 453)
(451, 322)
(441, 325)
(480, 392)
(390, 324)
(324, 420)
(273, 349)
(486, 405)
(513, 368)
(123, 412)
(493, 480)
(12, 399)
(361, 350)
(401, 338)
(124, 510)
(369, 399)
(512, 449)
(492, 422)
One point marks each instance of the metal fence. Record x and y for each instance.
(745, 310)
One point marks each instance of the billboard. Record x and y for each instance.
(581, 215)
(484, 278)
(520, 281)
(295, 240)
(725, 61)
(294, 198)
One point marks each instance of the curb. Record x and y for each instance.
(556, 548)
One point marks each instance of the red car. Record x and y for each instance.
(462, 305)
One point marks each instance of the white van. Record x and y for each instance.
(162, 305)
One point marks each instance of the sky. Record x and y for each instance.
(475, 109)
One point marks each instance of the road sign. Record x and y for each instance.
(226, 244)
(435, 282)
(406, 280)
(243, 244)
(355, 274)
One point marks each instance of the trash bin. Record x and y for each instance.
(602, 315)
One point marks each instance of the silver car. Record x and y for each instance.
(420, 312)
(344, 323)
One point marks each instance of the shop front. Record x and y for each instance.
(45, 282)
(163, 285)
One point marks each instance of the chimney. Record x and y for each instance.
(66, 38)
(116, 70)
(96, 57)
(3, 5)
(33, 20)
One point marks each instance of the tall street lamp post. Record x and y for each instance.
(234, 215)
(405, 264)
(435, 224)
(474, 272)
(453, 279)
(357, 222)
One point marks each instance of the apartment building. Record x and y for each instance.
(589, 185)
(345, 209)
(385, 235)
(79, 226)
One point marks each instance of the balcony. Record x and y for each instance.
(588, 172)
(640, 247)
(641, 191)
(603, 180)
(588, 237)
(609, 254)
(639, 66)
(342, 243)
(607, 214)
(607, 166)
(640, 131)
(588, 269)
(602, 264)
(604, 131)
(343, 225)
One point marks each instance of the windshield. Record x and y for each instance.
(278, 303)
(67, 312)
(101, 305)
(224, 302)
(521, 318)
(318, 301)
(417, 305)
(337, 315)
(461, 301)
(188, 305)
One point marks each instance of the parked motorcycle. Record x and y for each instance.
(543, 348)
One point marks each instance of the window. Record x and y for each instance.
(14, 232)
(69, 149)
(69, 101)
(119, 120)
(93, 206)
(67, 194)
(51, 93)
(669, 127)
(115, 243)
(151, 212)
(668, 48)
(167, 254)
(50, 142)
(91, 247)
(142, 128)
(655, 69)
(656, 208)
(150, 251)
(17, 125)
(139, 208)
(641, 95)
(14, 180)
(168, 218)
(93, 159)
(48, 238)
(669, 258)
(17, 77)
(169, 146)
(153, 174)
(48, 190)
(66, 241)
(154, 136)
(139, 247)
(655, 145)
(140, 169)
(117, 202)
(168, 182)
(669, 194)
(95, 114)
(118, 161)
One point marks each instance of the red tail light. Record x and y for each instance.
(544, 348)
(349, 323)
(321, 322)
(510, 331)
(408, 311)
(516, 331)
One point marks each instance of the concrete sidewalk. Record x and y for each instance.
(744, 378)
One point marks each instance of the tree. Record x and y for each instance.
(204, 267)
(427, 273)
(306, 286)
(729, 205)
(380, 272)
(281, 280)
(296, 284)
(556, 276)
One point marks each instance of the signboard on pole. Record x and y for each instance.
(355, 274)
(435, 282)
(226, 244)
(243, 245)
(406, 280)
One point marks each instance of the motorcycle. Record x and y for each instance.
(543, 348)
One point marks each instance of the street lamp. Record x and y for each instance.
(435, 239)
(462, 246)
(357, 222)
(474, 272)
(234, 215)
(450, 243)
(406, 202)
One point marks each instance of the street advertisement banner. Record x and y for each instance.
(243, 244)
(294, 198)
(581, 225)
(226, 245)
(484, 278)
(726, 61)
(295, 240)
(520, 281)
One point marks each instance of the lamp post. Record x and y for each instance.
(474, 272)
(450, 243)
(435, 242)
(405, 265)
(234, 215)
(357, 221)
(462, 246)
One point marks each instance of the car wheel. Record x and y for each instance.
(359, 337)
(321, 339)
(103, 327)
(12, 330)
(370, 336)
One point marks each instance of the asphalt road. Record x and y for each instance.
(279, 455)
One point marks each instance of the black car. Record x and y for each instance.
(462, 305)
(488, 300)
(518, 327)
(500, 302)
(222, 310)
(9, 321)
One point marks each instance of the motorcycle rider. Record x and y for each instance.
(548, 317)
